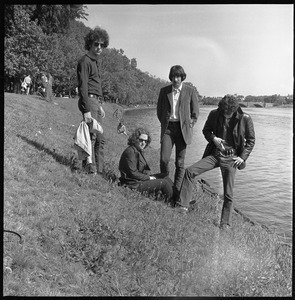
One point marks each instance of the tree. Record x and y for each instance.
(250, 98)
(56, 18)
(30, 47)
(51, 18)
(29, 50)
(191, 85)
(71, 49)
(210, 100)
(133, 63)
(20, 57)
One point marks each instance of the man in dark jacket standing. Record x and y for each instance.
(90, 92)
(177, 111)
(231, 137)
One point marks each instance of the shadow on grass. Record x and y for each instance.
(59, 158)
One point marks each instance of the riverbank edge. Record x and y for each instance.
(204, 184)
(62, 214)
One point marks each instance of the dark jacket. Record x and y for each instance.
(188, 109)
(243, 133)
(133, 167)
(89, 80)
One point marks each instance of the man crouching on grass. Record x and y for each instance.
(231, 137)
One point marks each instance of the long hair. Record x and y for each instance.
(133, 138)
(177, 71)
(228, 104)
(94, 35)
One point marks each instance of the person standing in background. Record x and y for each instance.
(49, 88)
(44, 82)
(28, 82)
(177, 111)
(90, 93)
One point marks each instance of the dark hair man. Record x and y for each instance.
(90, 92)
(177, 111)
(231, 137)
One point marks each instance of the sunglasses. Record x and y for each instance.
(96, 44)
(142, 140)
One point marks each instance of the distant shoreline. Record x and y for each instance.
(126, 108)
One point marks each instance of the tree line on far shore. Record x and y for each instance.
(273, 99)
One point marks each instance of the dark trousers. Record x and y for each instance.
(97, 139)
(153, 187)
(228, 176)
(49, 92)
(173, 136)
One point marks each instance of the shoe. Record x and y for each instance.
(90, 169)
(181, 209)
(225, 227)
(75, 164)
(175, 199)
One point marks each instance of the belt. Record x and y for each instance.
(99, 98)
(93, 96)
(226, 153)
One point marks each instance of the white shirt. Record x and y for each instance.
(28, 80)
(175, 104)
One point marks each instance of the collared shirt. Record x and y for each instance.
(89, 79)
(227, 134)
(175, 104)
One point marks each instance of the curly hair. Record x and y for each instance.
(177, 71)
(228, 104)
(133, 138)
(94, 35)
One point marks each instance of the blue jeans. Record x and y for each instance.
(228, 176)
(97, 139)
(173, 136)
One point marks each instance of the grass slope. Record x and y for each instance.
(84, 236)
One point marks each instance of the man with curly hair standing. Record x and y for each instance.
(231, 137)
(90, 93)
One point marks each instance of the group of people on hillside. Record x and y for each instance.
(45, 89)
(228, 130)
(26, 84)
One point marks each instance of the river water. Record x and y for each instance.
(263, 190)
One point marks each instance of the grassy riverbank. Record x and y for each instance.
(84, 236)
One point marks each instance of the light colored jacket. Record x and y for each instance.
(188, 110)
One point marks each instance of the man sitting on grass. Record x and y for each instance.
(135, 171)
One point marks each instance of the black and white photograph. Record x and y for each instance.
(148, 150)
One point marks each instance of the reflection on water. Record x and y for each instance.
(263, 190)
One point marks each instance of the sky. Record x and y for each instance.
(224, 49)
